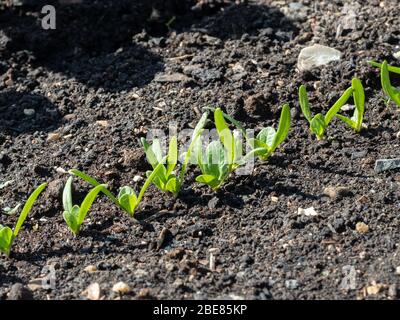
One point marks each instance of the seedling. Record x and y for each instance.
(126, 199)
(7, 235)
(166, 179)
(268, 139)
(391, 91)
(356, 120)
(221, 157)
(75, 215)
(320, 122)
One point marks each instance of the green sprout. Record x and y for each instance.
(268, 139)
(390, 91)
(320, 122)
(356, 120)
(221, 157)
(75, 215)
(127, 199)
(7, 235)
(166, 179)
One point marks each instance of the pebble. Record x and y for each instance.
(358, 154)
(90, 269)
(398, 270)
(374, 289)
(307, 212)
(174, 77)
(121, 288)
(137, 178)
(29, 112)
(361, 227)
(54, 136)
(19, 292)
(386, 164)
(103, 123)
(315, 56)
(291, 284)
(93, 291)
(337, 192)
(392, 291)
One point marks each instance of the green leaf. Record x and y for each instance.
(283, 128)
(392, 92)
(173, 185)
(337, 105)
(390, 68)
(359, 101)
(318, 126)
(129, 202)
(215, 155)
(156, 147)
(71, 218)
(172, 155)
(225, 135)
(67, 195)
(208, 180)
(304, 104)
(94, 183)
(6, 239)
(27, 207)
(88, 201)
(150, 155)
(267, 136)
(347, 120)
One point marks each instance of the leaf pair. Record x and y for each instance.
(166, 179)
(391, 91)
(75, 215)
(355, 122)
(320, 122)
(7, 235)
(126, 199)
(268, 139)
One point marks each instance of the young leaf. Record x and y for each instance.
(6, 239)
(27, 207)
(391, 91)
(172, 155)
(225, 135)
(67, 195)
(337, 105)
(283, 128)
(318, 126)
(304, 104)
(359, 101)
(88, 201)
(390, 68)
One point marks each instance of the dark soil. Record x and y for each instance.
(104, 62)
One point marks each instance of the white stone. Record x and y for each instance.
(315, 56)
(307, 212)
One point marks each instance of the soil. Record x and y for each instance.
(106, 61)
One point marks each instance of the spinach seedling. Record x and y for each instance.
(166, 179)
(7, 235)
(391, 91)
(268, 139)
(75, 215)
(356, 120)
(127, 199)
(221, 157)
(320, 122)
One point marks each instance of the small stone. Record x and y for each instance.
(174, 77)
(90, 268)
(307, 212)
(274, 199)
(315, 56)
(386, 164)
(53, 136)
(213, 203)
(337, 192)
(103, 123)
(93, 291)
(121, 288)
(137, 178)
(29, 112)
(397, 55)
(398, 270)
(144, 293)
(358, 154)
(361, 227)
(291, 284)
(19, 292)
(35, 284)
(374, 289)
